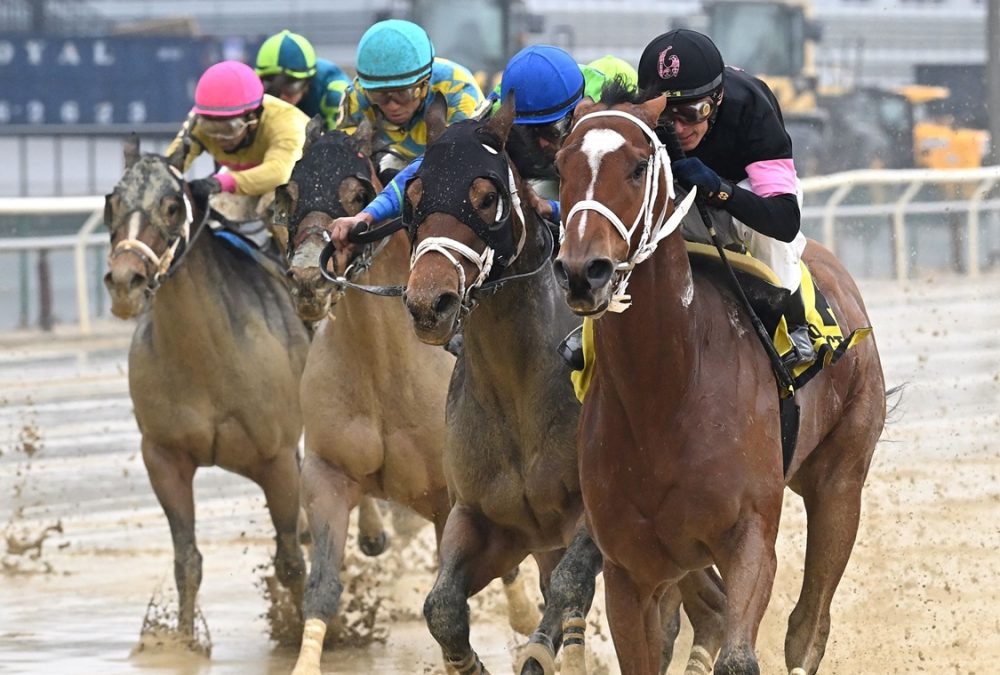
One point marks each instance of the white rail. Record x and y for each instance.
(85, 237)
(841, 184)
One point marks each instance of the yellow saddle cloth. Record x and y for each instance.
(827, 336)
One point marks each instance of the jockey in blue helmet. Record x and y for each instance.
(548, 84)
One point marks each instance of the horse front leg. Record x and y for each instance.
(171, 475)
(473, 552)
(634, 620)
(747, 564)
(279, 479)
(328, 496)
(567, 602)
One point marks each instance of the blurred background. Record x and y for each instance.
(898, 88)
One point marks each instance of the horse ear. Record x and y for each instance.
(436, 118)
(501, 122)
(130, 148)
(653, 108)
(313, 131)
(585, 105)
(285, 197)
(364, 137)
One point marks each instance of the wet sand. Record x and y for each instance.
(919, 595)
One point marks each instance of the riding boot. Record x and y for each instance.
(571, 348)
(798, 331)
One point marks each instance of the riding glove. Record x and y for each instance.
(203, 188)
(692, 171)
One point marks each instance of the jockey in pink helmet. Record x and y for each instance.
(256, 137)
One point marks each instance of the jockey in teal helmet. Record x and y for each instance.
(288, 67)
(398, 77)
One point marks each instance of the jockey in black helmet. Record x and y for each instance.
(729, 125)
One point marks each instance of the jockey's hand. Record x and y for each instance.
(340, 228)
(203, 188)
(693, 171)
(542, 207)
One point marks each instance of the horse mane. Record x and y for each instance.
(616, 91)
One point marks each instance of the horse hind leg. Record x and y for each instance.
(172, 475)
(832, 497)
(522, 614)
(705, 604)
(328, 496)
(372, 537)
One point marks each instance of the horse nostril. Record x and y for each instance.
(561, 274)
(445, 303)
(599, 272)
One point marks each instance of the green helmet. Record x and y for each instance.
(612, 67)
(287, 54)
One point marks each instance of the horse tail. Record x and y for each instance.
(895, 393)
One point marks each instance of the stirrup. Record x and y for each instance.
(571, 348)
(802, 348)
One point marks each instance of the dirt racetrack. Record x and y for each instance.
(920, 593)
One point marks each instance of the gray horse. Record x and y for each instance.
(215, 360)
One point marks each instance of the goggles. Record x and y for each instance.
(383, 97)
(691, 113)
(224, 129)
(278, 85)
(553, 132)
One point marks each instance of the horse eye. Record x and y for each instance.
(488, 200)
(640, 169)
(172, 210)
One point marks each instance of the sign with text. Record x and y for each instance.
(46, 79)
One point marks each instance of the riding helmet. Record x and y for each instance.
(287, 54)
(228, 89)
(547, 84)
(683, 64)
(394, 54)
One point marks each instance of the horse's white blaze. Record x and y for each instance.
(596, 144)
(134, 223)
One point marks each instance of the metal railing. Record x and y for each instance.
(825, 203)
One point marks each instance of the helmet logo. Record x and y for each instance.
(668, 67)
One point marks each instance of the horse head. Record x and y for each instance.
(334, 178)
(149, 214)
(616, 196)
(462, 206)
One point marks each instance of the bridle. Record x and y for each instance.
(162, 264)
(656, 226)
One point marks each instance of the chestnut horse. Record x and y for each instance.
(482, 263)
(372, 395)
(680, 444)
(215, 360)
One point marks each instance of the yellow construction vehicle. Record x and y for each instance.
(937, 142)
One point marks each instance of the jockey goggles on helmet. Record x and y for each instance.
(553, 132)
(691, 112)
(224, 128)
(405, 96)
(281, 84)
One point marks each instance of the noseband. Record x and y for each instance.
(160, 263)
(655, 225)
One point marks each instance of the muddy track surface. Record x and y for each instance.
(86, 549)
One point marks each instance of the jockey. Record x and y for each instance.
(738, 154)
(548, 84)
(398, 77)
(287, 64)
(257, 138)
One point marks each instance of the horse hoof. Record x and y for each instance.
(373, 546)
(536, 659)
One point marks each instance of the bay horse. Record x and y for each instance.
(372, 395)
(482, 263)
(680, 443)
(215, 360)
